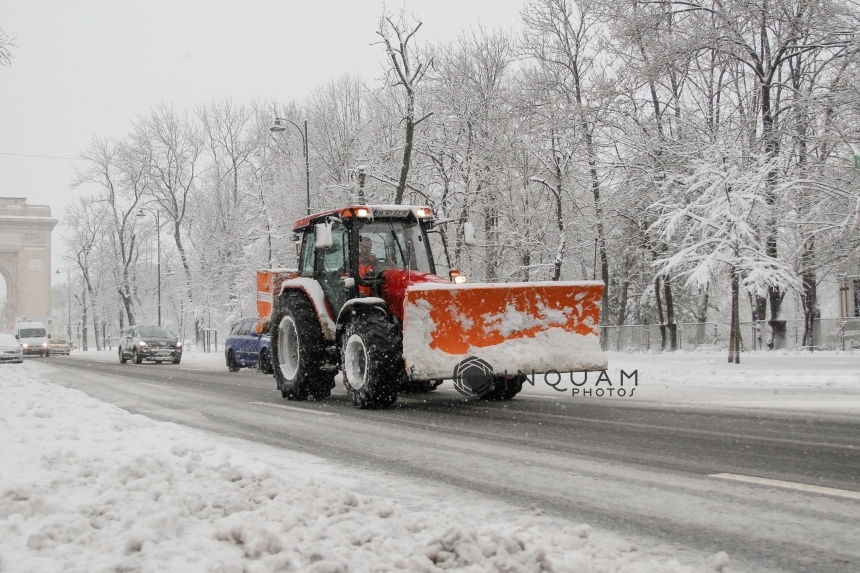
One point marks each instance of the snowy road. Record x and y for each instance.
(635, 467)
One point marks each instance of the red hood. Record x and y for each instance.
(396, 281)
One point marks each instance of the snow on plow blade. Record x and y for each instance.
(527, 327)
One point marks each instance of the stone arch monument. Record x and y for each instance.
(25, 260)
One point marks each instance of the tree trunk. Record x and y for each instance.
(810, 290)
(734, 330)
(407, 148)
(84, 344)
(622, 302)
(671, 327)
(660, 312)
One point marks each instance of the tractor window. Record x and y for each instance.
(307, 262)
(334, 258)
(398, 244)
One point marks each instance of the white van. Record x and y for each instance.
(33, 338)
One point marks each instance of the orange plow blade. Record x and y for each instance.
(525, 327)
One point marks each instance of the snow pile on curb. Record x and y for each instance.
(86, 486)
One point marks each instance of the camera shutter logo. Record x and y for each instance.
(473, 377)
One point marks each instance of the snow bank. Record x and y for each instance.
(86, 486)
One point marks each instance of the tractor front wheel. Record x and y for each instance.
(372, 359)
(298, 349)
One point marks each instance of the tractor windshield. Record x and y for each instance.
(394, 244)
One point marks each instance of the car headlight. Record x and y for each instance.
(142, 343)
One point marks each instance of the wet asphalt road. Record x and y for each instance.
(633, 467)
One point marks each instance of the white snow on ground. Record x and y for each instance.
(86, 486)
(779, 369)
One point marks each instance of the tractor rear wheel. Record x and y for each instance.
(298, 349)
(372, 359)
(505, 388)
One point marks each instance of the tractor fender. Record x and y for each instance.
(315, 294)
(356, 306)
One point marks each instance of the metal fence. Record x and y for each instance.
(827, 334)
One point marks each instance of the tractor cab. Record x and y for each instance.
(348, 250)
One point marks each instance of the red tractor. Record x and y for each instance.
(367, 301)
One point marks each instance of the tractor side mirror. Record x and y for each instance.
(323, 238)
(469, 234)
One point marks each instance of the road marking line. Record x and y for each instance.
(305, 410)
(790, 485)
(156, 385)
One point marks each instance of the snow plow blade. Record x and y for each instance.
(514, 327)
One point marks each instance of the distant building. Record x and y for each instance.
(25, 260)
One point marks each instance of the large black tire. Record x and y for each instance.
(299, 349)
(138, 359)
(231, 362)
(122, 358)
(265, 362)
(372, 360)
(177, 360)
(505, 388)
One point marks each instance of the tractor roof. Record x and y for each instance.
(368, 212)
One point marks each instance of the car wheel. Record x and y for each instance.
(231, 362)
(265, 362)
(138, 359)
(122, 358)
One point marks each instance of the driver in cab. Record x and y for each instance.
(366, 261)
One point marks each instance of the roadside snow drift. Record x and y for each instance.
(86, 486)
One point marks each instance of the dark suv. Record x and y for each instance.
(156, 343)
(248, 346)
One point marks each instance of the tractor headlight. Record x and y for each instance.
(143, 344)
(456, 277)
(362, 212)
(25, 345)
(44, 345)
(178, 344)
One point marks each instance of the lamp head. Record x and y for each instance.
(278, 126)
(140, 213)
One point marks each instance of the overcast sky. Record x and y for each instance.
(87, 67)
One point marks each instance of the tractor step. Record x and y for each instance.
(329, 368)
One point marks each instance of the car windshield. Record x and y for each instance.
(32, 332)
(396, 243)
(57, 340)
(8, 340)
(154, 332)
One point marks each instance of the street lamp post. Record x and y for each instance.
(142, 214)
(69, 288)
(279, 127)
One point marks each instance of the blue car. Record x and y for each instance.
(246, 348)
